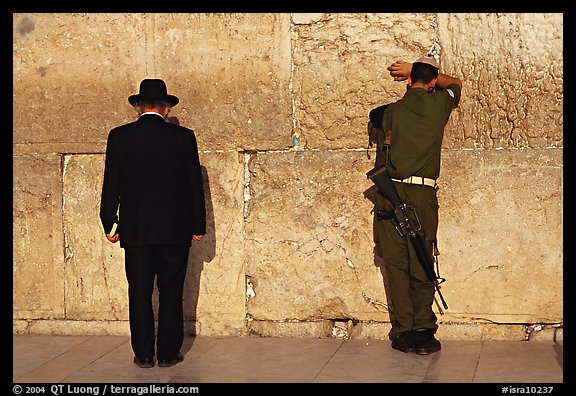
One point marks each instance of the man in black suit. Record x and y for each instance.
(153, 192)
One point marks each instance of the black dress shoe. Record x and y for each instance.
(405, 342)
(426, 343)
(171, 362)
(144, 363)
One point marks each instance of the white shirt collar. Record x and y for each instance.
(151, 112)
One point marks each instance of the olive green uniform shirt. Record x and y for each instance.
(417, 123)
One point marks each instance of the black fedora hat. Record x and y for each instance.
(153, 89)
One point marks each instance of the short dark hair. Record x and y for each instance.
(423, 72)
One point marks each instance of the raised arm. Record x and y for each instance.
(444, 80)
(400, 70)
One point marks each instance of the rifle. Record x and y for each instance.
(406, 224)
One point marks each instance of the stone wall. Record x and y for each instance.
(289, 249)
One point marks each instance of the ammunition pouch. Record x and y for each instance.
(404, 217)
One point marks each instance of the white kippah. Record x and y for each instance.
(428, 60)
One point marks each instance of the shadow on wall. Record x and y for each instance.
(370, 194)
(201, 252)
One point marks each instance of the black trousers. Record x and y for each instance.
(167, 264)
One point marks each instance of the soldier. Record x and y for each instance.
(416, 123)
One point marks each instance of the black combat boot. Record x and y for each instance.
(405, 342)
(426, 343)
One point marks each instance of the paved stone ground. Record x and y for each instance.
(108, 360)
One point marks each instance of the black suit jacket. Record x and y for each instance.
(152, 175)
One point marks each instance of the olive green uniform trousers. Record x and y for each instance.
(410, 290)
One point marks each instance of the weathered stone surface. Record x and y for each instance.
(72, 75)
(296, 329)
(481, 331)
(289, 244)
(310, 222)
(37, 272)
(96, 287)
(540, 333)
(446, 331)
(369, 330)
(73, 327)
(340, 71)
(215, 292)
(309, 234)
(501, 234)
(232, 75)
(241, 75)
(95, 280)
(512, 69)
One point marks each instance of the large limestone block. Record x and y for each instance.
(501, 235)
(37, 264)
(481, 331)
(96, 287)
(215, 289)
(296, 329)
(72, 327)
(232, 74)
(72, 75)
(340, 71)
(309, 238)
(95, 280)
(231, 71)
(512, 69)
